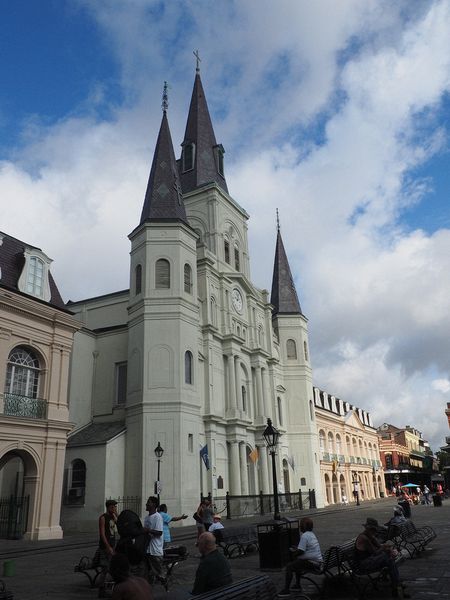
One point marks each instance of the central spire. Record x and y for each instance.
(202, 158)
(163, 199)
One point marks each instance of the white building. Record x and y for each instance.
(193, 354)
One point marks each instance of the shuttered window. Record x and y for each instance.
(162, 274)
(187, 279)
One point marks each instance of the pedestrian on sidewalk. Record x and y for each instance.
(167, 538)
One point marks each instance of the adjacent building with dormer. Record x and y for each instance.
(36, 337)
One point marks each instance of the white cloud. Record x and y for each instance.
(324, 109)
(441, 385)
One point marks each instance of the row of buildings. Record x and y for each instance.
(192, 357)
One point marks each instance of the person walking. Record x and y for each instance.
(153, 526)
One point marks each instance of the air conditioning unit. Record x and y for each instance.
(76, 492)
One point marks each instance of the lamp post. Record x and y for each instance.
(158, 453)
(271, 437)
(356, 487)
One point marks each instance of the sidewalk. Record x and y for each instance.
(44, 570)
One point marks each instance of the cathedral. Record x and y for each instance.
(193, 358)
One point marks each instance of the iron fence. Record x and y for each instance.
(13, 516)
(128, 503)
(262, 504)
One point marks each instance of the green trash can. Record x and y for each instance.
(9, 568)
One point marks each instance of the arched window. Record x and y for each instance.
(35, 279)
(162, 274)
(226, 250)
(188, 367)
(338, 444)
(138, 279)
(244, 398)
(22, 373)
(291, 349)
(305, 350)
(77, 482)
(330, 443)
(188, 156)
(322, 440)
(187, 279)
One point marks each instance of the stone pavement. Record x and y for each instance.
(44, 570)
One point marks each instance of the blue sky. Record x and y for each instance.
(336, 113)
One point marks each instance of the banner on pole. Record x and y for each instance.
(253, 456)
(204, 455)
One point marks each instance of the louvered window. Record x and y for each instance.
(237, 262)
(188, 367)
(188, 157)
(162, 274)
(138, 279)
(291, 349)
(187, 279)
(227, 251)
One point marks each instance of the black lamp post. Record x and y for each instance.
(356, 487)
(271, 437)
(158, 453)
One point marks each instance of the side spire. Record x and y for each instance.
(284, 295)
(163, 200)
(202, 158)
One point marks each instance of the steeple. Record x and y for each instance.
(284, 295)
(202, 158)
(163, 199)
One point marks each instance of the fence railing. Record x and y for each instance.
(13, 516)
(128, 503)
(233, 507)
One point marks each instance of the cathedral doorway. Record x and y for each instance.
(328, 489)
(15, 493)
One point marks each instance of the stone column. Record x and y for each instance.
(259, 392)
(235, 479)
(264, 473)
(236, 381)
(244, 473)
(232, 381)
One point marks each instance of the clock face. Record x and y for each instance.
(236, 299)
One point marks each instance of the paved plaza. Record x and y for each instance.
(44, 570)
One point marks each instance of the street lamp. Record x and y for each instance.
(356, 487)
(158, 453)
(271, 437)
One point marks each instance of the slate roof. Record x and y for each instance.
(284, 295)
(12, 260)
(96, 434)
(163, 200)
(199, 130)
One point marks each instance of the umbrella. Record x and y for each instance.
(414, 485)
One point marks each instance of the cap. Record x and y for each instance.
(217, 517)
(110, 502)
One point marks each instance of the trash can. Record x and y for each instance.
(9, 569)
(437, 500)
(406, 506)
(274, 540)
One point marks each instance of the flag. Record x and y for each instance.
(204, 455)
(253, 456)
(291, 462)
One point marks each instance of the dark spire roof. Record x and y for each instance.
(163, 200)
(200, 132)
(284, 295)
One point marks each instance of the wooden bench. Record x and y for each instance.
(259, 587)
(237, 541)
(329, 568)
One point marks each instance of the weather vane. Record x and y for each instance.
(165, 98)
(199, 60)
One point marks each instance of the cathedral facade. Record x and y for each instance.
(193, 357)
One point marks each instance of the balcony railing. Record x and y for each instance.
(326, 456)
(22, 406)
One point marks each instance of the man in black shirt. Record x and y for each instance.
(214, 569)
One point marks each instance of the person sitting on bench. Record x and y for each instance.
(214, 570)
(308, 557)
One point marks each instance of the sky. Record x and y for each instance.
(336, 113)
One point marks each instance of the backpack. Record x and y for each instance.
(133, 539)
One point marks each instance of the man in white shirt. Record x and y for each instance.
(308, 557)
(153, 525)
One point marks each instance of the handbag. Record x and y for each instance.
(197, 518)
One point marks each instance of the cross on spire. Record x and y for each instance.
(165, 98)
(278, 222)
(199, 60)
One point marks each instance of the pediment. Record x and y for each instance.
(352, 419)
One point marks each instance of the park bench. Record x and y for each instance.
(411, 538)
(88, 567)
(237, 541)
(361, 580)
(259, 587)
(329, 568)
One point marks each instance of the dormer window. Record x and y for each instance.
(219, 157)
(34, 279)
(188, 156)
